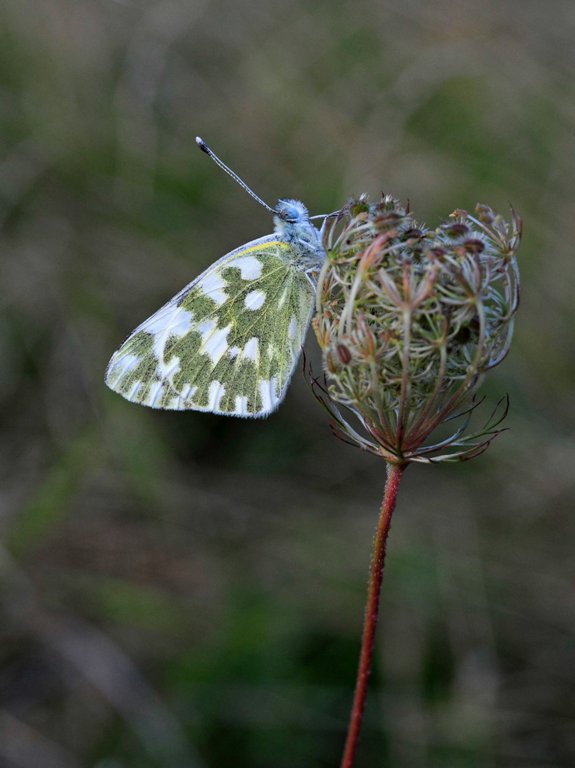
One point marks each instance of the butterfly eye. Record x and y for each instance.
(289, 213)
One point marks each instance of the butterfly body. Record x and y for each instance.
(292, 224)
(229, 341)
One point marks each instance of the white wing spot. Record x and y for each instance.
(170, 367)
(206, 328)
(251, 349)
(135, 387)
(213, 285)
(292, 328)
(234, 352)
(187, 392)
(268, 394)
(241, 403)
(215, 393)
(216, 344)
(249, 266)
(176, 323)
(255, 299)
(154, 393)
(122, 366)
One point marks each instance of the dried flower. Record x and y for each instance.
(409, 319)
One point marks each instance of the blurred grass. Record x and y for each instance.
(216, 568)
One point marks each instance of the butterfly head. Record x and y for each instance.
(291, 212)
(293, 225)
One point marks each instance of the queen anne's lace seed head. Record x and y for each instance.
(409, 319)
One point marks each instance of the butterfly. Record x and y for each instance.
(228, 343)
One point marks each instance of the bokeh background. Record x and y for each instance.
(186, 591)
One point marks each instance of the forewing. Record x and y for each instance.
(228, 343)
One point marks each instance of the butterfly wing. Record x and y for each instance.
(227, 343)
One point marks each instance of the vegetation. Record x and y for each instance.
(182, 590)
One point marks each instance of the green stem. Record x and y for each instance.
(394, 472)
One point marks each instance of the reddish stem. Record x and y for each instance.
(394, 472)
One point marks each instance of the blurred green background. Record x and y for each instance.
(186, 591)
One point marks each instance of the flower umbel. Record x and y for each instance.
(409, 319)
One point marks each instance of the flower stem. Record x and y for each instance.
(394, 472)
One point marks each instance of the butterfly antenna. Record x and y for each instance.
(324, 215)
(204, 147)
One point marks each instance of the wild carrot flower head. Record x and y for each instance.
(409, 319)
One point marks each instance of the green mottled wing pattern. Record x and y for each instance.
(228, 343)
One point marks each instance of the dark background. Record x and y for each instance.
(184, 590)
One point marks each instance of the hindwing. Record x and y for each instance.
(228, 342)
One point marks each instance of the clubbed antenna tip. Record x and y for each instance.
(202, 145)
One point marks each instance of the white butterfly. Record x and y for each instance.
(230, 340)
